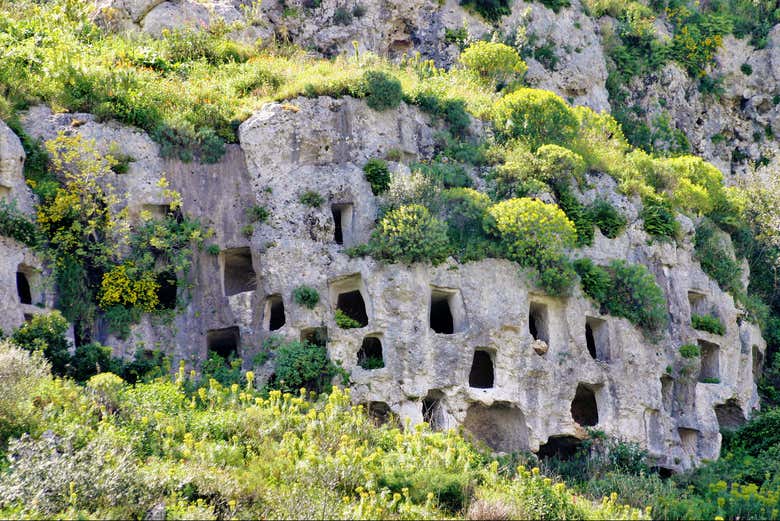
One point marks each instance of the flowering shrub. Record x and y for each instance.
(410, 234)
(537, 117)
(496, 63)
(121, 287)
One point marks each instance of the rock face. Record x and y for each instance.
(472, 345)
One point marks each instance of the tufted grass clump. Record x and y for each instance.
(689, 351)
(382, 91)
(306, 296)
(708, 323)
(312, 199)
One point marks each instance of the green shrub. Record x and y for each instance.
(449, 175)
(746, 69)
(15, 225)
(579, 215)
(710, 380)
(556, 5)
(714, 253)
(311, 198)
(300, 365)
(306, 296)
(46, 333)
(226, 371)
(21, 373)
(464, 210)
(559, 166)
(91, 359)
(708, 323)
(659, 220)
(491, 10)
(344, 321)
(689, 351)
(537, 117)
(635, 295)
(382, 91)
(607, 218)
(530, 230)
(493, 62)
(342, 16)
(258, 213)
(410, 234)
(556, 275)
(377, 174)
(596, 281)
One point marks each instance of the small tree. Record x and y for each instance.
(536, 116)
(410, 234)
(494, 63)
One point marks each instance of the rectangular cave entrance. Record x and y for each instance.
(352, 304)
(562, 447)
(274, 313)
(316, 336)
(710, 362)
(26, 284)
(481, 374)
(667, 393)
(597, 338)
(380, 412)
(730, 415)
(238, 274)
(697, 302)
(538, 322)
(689, 438)
(433, 410)
(167, 290)
(500, 426)
(447, 315)
(370, 354)
(224, 342)
(584, 408)
(342, 223)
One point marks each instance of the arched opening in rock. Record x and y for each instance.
(379, 412)
(370, 354)
(597, 338)
(441, 314)
(689, 438)
(433, 411)
(584, 409)
(663, 472)
(710, 362)
(481, 375)
(561, 447)
(538, 325)
(23, 288)
(316, 336)
(342, 223)
(501, 427)
(238, 272)
(167, 290)
(274, 313)
(224, 342)
(352, 304)
(667, 393)
(730, 415)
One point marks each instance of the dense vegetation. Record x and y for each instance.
(215, 445)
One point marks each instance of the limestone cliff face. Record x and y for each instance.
(462, 344)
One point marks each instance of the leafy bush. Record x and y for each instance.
(596, 281)
(311, 198)
(495, 63)
(491, 10)
(607, 218)
(377, 175)
(382, 91)
(559, 166)
(659, 220)
(226, 371)
(635, 295)
(530, 230)
(15, 225)
(689, 351)
(464, 210)
(21, 373)
(449, 175)
(410, 234)
(258, 213)
(716, 256)
(46, 333)
(302, 365)
(579, 215)
(556, 275)
(537, 117)
(344, 321)
(127, 286)
(306, 296)
(91, 359)
(556, 5)
(708, 323)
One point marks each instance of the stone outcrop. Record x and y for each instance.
(473, 345)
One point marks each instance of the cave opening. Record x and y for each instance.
(500, 426)
(370, 354)
(224, 342)
(238, 272)
(23, 288)
(441, 320)
(481, 375)
(380, 412)
(432, 410)
(560, 447)
(710, 362)
(352, 304)
(316, 336)
(342, 223)
(275, 316)
(538, 322)
(597, 338)
(584, 409)
(167, 290)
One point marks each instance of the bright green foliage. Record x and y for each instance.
(530, 230)
(46, 333)
(410, 234)
(306, 296)
(22, 372)
(708, 323)
(311, 198)
(596, 281)
(344, 321)
(557, 165)
(496, 63)
(377, 175)
(226, 371)
(690, 351)
(609, 220)
(449, 175)
(578, 213)
(301, 365)
(491, 10)
(659, 220)
(464, 210)
(556, 275)
(382, 91)
(258, 213)
(696, 186)
(716, 256)
(537, 117)
(15, 225)
(635, 295)
(91, 359)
